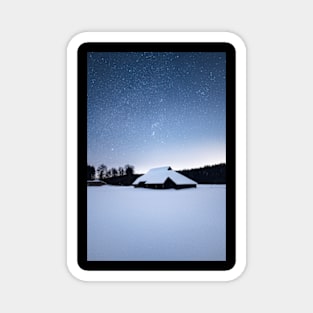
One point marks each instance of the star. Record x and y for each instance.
(142, 100)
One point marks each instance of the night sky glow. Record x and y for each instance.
(151, 109)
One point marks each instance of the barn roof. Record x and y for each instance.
(160, 174)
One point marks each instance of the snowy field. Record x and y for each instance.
(129, 224)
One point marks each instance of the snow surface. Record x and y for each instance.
(160, 174)
(127, 223)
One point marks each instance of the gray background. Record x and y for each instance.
(33, 37)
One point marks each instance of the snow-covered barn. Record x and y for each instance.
(163, 178)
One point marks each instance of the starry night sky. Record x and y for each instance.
(151, 109)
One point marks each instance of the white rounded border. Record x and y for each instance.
(72, 264)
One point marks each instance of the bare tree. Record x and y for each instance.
(129, 170)
(91, 172)
(109, 173)
(120, 171)
(102, 171)
(114, 172)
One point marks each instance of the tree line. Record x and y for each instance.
(125, 176)
(210, 174)
(103, 172)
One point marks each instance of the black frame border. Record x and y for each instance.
(230, 157)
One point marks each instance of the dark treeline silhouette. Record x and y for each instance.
(125, 176)
(91, 172)
(214, 174)
(122, 176)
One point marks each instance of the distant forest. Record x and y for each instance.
(214, 174)
(125, 176)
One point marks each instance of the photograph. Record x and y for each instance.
(156, 155)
